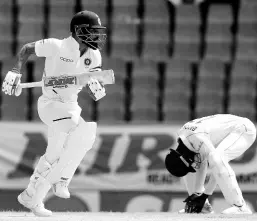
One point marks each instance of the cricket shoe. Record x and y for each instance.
(237, 210)
(207, 209)
(38, 209)
(60, 189)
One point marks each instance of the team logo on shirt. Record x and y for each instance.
(87, 61)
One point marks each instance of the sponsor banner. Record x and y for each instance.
(144, 201)
(124, 157)
(80, 200)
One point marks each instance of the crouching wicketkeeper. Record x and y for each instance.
(211, 141)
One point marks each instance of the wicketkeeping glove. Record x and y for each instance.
(195, 202)
(95, 89)
(11, 81)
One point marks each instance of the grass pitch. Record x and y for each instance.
(116, 216)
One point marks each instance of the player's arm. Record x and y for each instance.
(200, 177)
(195, 202)
(194, 182)
(211, 185)
(12, 78)
(42, 48)
(206, 148)
(26, 51)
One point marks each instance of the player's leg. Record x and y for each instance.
(55, 144)
(238, 140)
(34, 202)
(59, 172)
(32, 197)
(63, 118)
(54, 115)
(235, 144)
(79, 141)
(54, 148)
(82, 140)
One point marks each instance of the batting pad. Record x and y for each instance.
(78, 142)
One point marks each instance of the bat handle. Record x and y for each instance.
(31, 84)
(18, 90)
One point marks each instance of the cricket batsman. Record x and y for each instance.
(212, 142)
(69, 136)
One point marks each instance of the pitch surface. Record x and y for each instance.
(116, 216)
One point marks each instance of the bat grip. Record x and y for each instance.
(31, 84)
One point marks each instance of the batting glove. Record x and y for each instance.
(95, 89)
(11, 81)
(195, 202)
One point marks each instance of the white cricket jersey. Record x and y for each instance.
(214, 127)
(63, 58)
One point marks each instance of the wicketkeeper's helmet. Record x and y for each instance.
(86, 25)
(179, 162)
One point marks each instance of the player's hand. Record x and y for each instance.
(195, 202)
(95, 89)
(11, 82)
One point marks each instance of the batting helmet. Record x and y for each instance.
(179, 162)
(86, 25)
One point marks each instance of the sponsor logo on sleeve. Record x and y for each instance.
(66, 59)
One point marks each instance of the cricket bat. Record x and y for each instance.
(104, 76)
